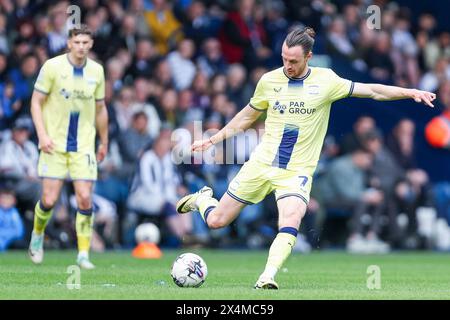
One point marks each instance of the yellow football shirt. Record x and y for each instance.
(298, 110)
(70, 108)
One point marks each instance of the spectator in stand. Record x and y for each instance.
(388, 176)
(157, 186)
(164, 27)
(427, 23)
(144, 59)
(238, 90)
(311, 13)
(24, 79)
(276, 25)
(181, 65)
(379, 59)
(353, 140)
(438, 48)
(385, 172)
(102, 47)
(115, 71)
(11, 225)
(18, 164)
(9, 105)
(242, 37)
(200, 24)
(57, 37)
(128, 37)
(344, 188)
(413, 190)
(186, 111)
(125, 107)
(405, 50)
(211, 61)
(163, 74)
(42, 25)
(338, 42)
(136, 9)
(351, 15)
(168, 107)
(200, 87)
(20, 50)
(133, 142)
(433, 78)
(142, 88)
(218, 84)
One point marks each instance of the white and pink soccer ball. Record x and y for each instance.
(189, 270)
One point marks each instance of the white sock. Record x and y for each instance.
(269, 272)
(83, 254)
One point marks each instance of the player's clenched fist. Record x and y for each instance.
(201, 145)
(46, 144)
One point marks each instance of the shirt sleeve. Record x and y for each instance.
(100, 90)
(44, 80)
(340, 87)
(259, 100)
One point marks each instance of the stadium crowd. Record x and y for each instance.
(169, 64)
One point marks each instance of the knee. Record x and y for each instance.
(48, 199)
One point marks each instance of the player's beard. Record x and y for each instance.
(302, 70)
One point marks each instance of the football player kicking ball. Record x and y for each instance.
(297, 99)
(68, 107)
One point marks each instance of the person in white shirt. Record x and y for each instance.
(18, 163)
(157, 185)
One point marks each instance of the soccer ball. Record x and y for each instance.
(147, 232)
(189, 270)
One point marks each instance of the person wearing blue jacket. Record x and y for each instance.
(11, 224)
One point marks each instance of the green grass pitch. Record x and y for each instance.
(231, 275)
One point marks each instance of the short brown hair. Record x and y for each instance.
(301, 37)
(82, 29)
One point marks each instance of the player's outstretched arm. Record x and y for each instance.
(37, 101)
(240, 122)
(101, 123)
(383, 92)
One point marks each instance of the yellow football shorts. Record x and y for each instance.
(256, 180)
(68, 165)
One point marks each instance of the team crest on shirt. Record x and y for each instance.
(66, 94)
(312, 89)
(279, 107)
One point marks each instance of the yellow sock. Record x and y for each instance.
(83, 224)
(279, 251)
(41, 218)
(205, 205)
